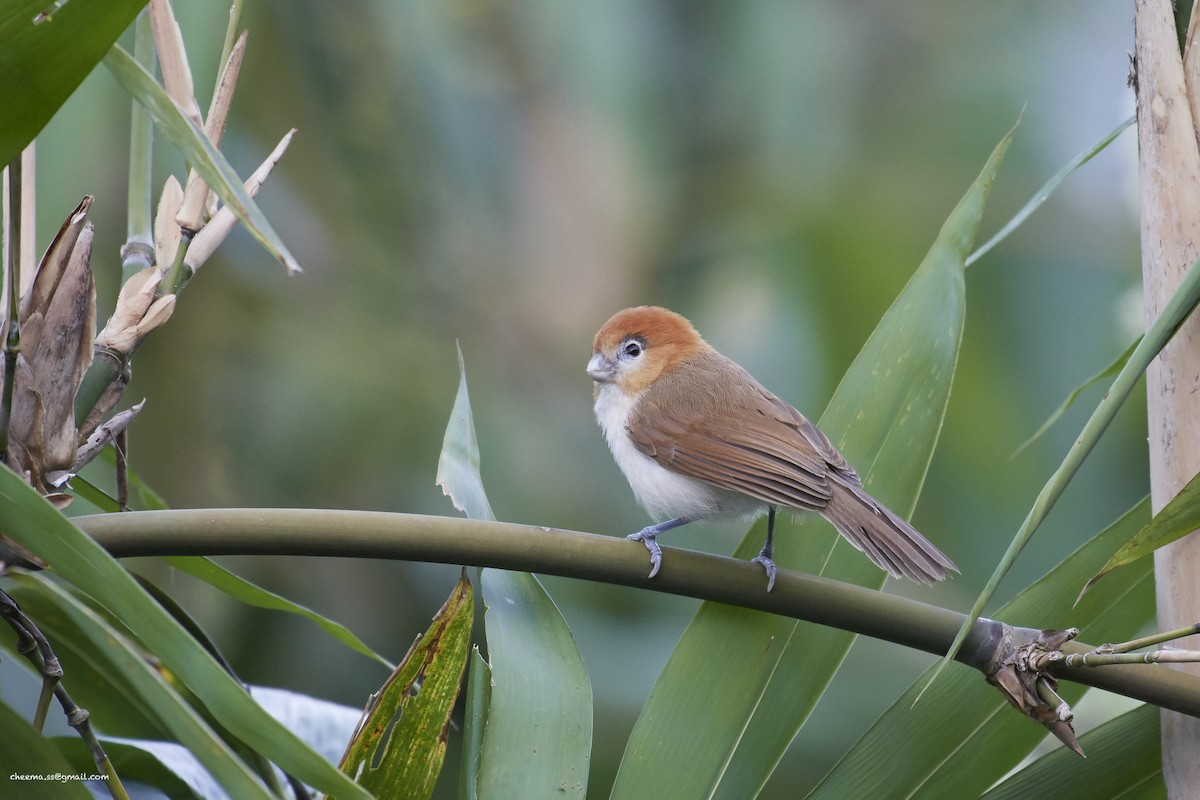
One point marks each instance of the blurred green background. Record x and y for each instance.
(507, 175)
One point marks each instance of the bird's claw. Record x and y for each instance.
(651, 541)
(767, 564)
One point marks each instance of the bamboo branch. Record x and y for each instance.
(364, 534)
(138, 251)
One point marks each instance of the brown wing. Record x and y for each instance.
(735, 434)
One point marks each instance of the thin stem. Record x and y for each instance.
(1151, 640)
(138, 251)
(49, 685)
(107, 366)
(180, 272)
(78, 718)
(1095, 659)
(231, 31)
(12, 335)
(121, 447)
(1051, 698)
(32, 644)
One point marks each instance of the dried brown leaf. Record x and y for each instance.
(210, 238)
(54, 261)
(166, 229)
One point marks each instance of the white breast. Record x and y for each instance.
(664, 494)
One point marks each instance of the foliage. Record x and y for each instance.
(739, 684)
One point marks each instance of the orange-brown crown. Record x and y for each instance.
(668, 338)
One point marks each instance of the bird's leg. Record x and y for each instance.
(649, 537)
(768, 550)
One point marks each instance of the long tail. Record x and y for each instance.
(889, 541)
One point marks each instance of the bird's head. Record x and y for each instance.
(638, 345)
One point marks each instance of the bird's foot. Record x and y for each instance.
(764, 559)
(649, 537)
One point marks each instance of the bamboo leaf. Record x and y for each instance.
(760, 675)
(458, 464)
(150, 687)
(1124, 760)
(963, 736)
(1043, 194)
(246, 592)
(479, 697)
(1174, 312)
(206, 159)
(42, 62)
(28, 519)
(1173, 521)
(1108, 372)
(27, 752)
(536, 734)
(399, 747)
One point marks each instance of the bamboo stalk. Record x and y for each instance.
(449, 540)
(1169, 171)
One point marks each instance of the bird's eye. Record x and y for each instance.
(631, 349)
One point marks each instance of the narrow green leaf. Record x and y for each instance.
(27, 753)
(1175, 520)
(42, 63)
(85, 490)
(740, 683)
(207, 160)
(1109, 371)
(246, 592)
(27, 518)
(964, 736)
(400, 745)
(1174, 312)
(537, 729)
(479, 697)
(1124, 760)
(172, 711)
(1044, 193)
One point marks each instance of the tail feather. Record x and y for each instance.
(884, 537)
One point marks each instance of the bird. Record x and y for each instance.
(697, 437)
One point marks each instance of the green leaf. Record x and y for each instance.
(537, 738)
(85, 490)
(200, 153)
(27, 752)
(400, 745)
(1044, 193)
(740, 683)
(1124, 760)
(149, 686)
(1175, 520)
(1109, 371)
(964, 736)
(42, 63)
(479, 696)
(537, 728)
(458, 464)
(29, 520)
(246, 592)
(1174, 312)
